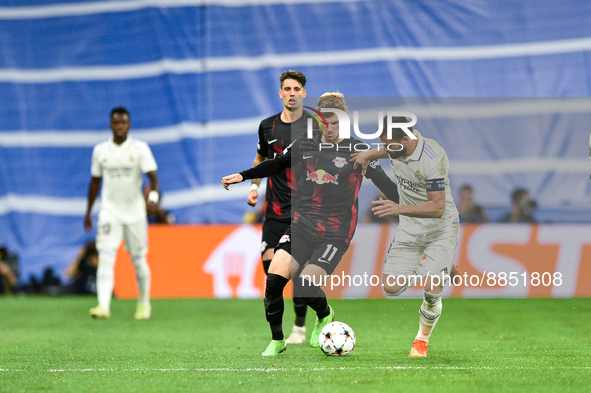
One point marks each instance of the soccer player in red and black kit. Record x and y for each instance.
(274, 136)
(324, 222)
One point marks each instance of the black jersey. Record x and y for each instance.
(274, 137)
(329, 186)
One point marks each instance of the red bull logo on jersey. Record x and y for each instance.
(313, 176)
(340, 162)
(321, 176)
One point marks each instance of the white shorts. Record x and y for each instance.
(405, 256)
(112, 231)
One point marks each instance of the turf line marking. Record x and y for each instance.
(277, 369)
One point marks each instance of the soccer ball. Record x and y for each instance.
(337, 339)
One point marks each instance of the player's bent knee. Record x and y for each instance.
(281, 264)
(394, 291)
(434, 285)
(314, 274)
(392, 287)
(138, 256)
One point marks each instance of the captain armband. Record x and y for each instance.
(436, 185)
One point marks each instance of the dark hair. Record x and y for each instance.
(295, 75)
(397, 133)
(466, 187)
(517, 194)
(121, 111)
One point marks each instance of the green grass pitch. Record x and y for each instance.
(200, 345)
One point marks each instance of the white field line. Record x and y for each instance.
(291, 369)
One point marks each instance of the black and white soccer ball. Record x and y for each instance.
(337, 339)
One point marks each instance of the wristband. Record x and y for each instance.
(254, 187)
(154, 196)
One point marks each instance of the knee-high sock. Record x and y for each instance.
(300, 307)
(313, 295)
(105, 278)
(144, 277)
(429, 314)
(274, 304)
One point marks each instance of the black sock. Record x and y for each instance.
(266, 264)
(300, 307)
(274, 304)
(314, 297)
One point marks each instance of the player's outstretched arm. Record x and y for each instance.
(264, 169)
(382, 181)
(364, 157)
(231, 179)
(254, 193)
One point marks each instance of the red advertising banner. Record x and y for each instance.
(495, 260)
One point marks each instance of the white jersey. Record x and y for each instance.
(426, 169)
(122, 167)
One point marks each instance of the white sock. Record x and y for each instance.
(143, 275)
(105, 278)
(429, 314)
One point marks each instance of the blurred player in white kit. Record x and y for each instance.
(121, 162)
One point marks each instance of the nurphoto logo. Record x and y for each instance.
(345, 127)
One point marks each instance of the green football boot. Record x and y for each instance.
(143, 311)
(99, 312)
(320, 324)
(275, 347)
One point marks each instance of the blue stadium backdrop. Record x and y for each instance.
(198, 76)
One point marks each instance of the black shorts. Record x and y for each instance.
(325, 253)
(272, 232)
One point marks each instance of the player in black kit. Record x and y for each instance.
(324, 222)
(274, 136)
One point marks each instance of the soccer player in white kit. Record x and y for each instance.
(120, 162)
(429, 221)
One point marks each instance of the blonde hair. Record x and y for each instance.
(334, 100)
